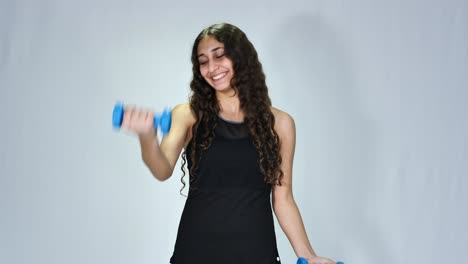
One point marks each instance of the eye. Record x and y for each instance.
(220, 56)
(202, 62)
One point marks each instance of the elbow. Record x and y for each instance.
(283, 202)
(161, 177)
(159, 172)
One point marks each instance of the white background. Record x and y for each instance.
(378, 90)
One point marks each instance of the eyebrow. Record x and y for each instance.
(215, 49)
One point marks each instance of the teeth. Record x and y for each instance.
(219, 76)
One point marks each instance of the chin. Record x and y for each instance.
(223, 89)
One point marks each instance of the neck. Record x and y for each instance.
(229, 104)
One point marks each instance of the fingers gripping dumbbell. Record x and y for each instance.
(161, 120)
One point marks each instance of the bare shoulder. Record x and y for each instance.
(284, 122)
(183, 120)
(183, 113)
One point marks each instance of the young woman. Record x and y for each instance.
(239, 151)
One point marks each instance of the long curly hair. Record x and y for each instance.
(250, 86)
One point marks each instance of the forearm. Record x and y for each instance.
(290, 220)
(154, 158)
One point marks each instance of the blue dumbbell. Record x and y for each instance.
(162, 120)
(304, 261)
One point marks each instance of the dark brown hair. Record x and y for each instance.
(250, 86)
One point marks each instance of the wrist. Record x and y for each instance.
(307, 252)
(148, 137)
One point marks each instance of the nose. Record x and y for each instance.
(212, 67)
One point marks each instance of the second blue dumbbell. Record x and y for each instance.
(162, 120)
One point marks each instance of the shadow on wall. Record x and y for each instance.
(336, 148)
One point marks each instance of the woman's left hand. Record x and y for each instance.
(320, 260)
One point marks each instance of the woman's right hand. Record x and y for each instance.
(139, 121)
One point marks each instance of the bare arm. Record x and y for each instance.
(284, 206)
(161, 158)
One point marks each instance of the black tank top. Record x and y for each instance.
(227, 218)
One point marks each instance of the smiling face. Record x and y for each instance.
(215, 67)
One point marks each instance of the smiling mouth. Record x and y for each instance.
(219, 76)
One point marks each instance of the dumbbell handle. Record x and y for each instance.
(162, 121)
(304, 261)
